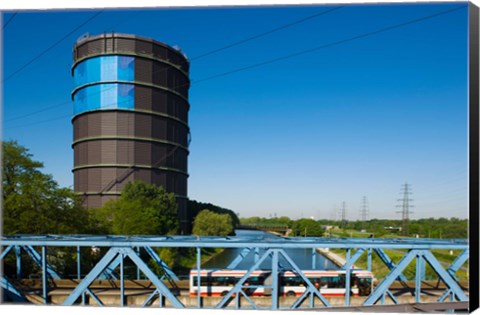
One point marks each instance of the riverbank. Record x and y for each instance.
(334, 258)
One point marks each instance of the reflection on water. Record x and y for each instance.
(301, 257)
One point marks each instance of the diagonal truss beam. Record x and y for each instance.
(150, 299)
(169, 272)
(11, 291)
(388, 262)
(109, 272)
(112, 256)
(37, 258)
(309, 286)
(382, 288)
(350, 262)
(458, 262)
(446, 277)
(161, 287)
(240, 257)
(92, 275)
(238, 286)
(5, 252)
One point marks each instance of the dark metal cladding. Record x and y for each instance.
(146, 140)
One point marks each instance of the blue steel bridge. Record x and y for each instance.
(163, 283)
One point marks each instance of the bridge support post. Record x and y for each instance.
(275, 280)
(79, 271)
(18, 256)
(138, 269)
(199, 261)
(348, 272)
(44, 274)
(314, 258)
(418, 277)
(369, 259)
(122, 282)
(351, 259)
(79, 264)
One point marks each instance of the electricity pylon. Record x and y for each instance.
(406, 191)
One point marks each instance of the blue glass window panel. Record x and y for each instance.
(126, 96)
(125, 68)
(108, 68)
(104, 68)
(104, 96)
(108, 96)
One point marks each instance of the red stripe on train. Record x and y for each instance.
(217, 294)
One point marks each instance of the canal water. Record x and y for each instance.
(302, 257)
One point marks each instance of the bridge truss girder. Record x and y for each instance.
(120, 248)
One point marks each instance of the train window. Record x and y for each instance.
(366, 282)
(219, 281)
(255, 280)
(204, 281)
(333, 282)
(317, 282)
(364, 286)
(292, 281)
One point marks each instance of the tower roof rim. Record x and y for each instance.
(87, 37)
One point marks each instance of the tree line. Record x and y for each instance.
(35, 204)
(425, 228)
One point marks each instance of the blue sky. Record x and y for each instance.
(295, 137)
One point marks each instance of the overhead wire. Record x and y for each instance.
(59, 104)
(336, 43)
(41, 54)
(8, 21)
(243, 41)
(214, 51)
(37, 122)
(310, 50)
(130, 169)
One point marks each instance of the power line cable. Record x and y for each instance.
(336, 43)
(8, 21)
(265, 33)
(38, 122)
(37, 112)
(201, 56)
(59, 104)
(52, 46)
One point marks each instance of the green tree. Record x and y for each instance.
(33, 201)
(209, 223)
(141, 209)
(307, 227)
(195, 207)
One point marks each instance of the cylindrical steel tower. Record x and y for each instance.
(130, 118)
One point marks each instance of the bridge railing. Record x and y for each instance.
(264, 249)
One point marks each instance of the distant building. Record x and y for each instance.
(393, 228)
(130, 118)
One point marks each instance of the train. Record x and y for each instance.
(330, 283)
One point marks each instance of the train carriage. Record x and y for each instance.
(330, 283)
